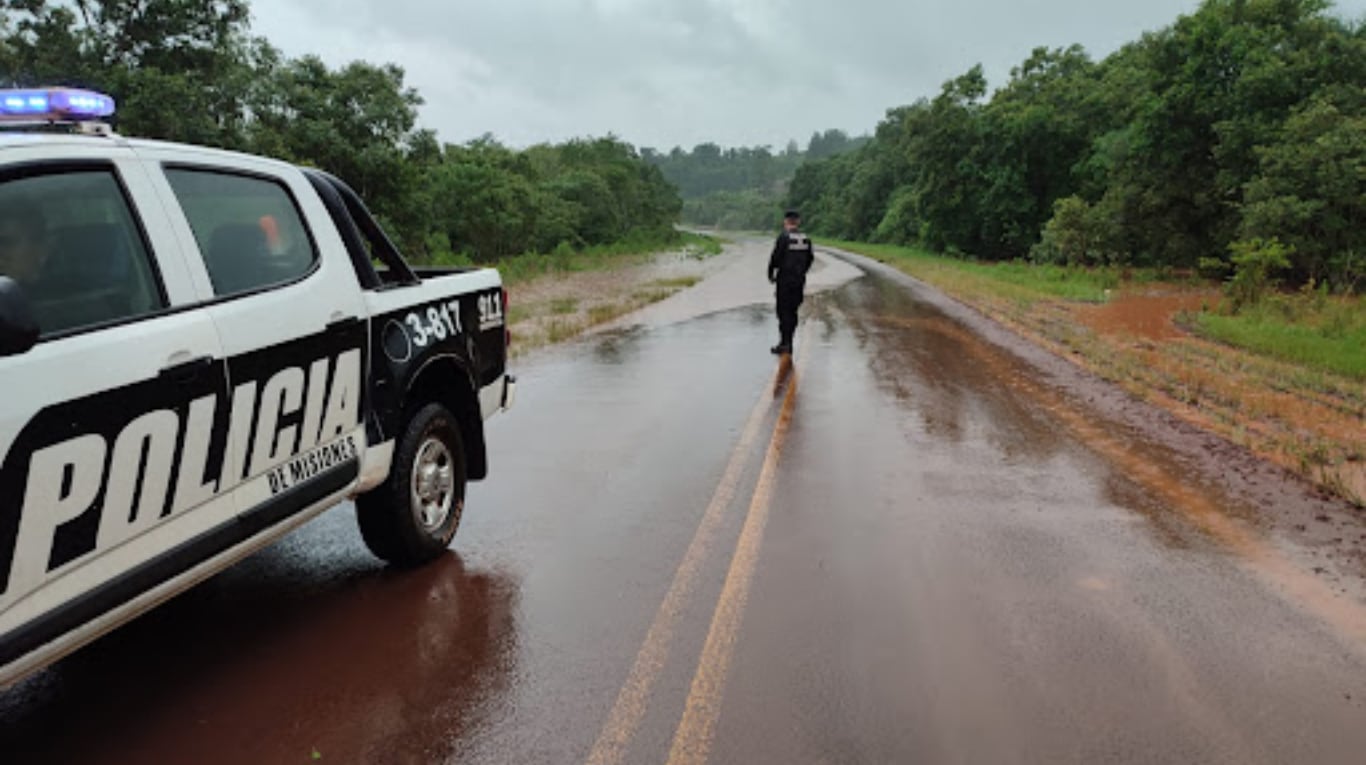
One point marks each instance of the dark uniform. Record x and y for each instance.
(792, 258)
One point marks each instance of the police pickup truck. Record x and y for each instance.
(199, 351)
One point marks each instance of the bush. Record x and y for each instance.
(1256, 263)
(1079, 234)
(1214, 269)
(899, 225)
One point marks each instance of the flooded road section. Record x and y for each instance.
(907, 549)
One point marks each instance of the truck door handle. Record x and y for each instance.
(187, 371)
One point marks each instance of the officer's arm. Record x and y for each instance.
(810, 255)
(776, 258)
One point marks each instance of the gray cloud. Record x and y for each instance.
(679, 72)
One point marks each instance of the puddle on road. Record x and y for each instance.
(740, 284)
(379, 665)
(943, 374)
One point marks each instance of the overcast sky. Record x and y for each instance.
(679, 72)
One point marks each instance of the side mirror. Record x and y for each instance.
(18, 328)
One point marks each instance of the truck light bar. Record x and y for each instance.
(53, 105)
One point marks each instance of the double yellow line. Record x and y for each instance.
(693, 738)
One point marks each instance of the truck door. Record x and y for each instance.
(288, 310)
(111, 427)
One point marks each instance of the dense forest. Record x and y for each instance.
(741, 188)
(193, 72)
(1234, 137)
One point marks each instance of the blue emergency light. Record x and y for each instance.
(53, 105)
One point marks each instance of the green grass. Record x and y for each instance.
(605, 312)
(647, 296)
(677, 283)
(702, 246)
(559, 331)
(1323, 334)
(1017, 279)
(562, 306)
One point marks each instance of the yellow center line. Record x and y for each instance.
(693, 739)
(631, 702)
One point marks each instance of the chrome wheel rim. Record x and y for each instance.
(433, 484)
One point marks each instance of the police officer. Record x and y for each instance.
(792, 258)
(23, 243)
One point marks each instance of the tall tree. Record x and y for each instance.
(1310, 190)
(1035, 131)
(181, 70)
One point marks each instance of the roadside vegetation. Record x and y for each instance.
(194, 72)
(1327, 333)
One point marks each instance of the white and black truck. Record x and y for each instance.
(199, 351)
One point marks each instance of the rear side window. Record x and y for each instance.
(248, 229)
(70, 240)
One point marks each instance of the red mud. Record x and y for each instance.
(1146, 315)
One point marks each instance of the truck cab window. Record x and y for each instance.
(69, 239)
(248, 229)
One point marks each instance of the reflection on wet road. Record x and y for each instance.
(908, 551)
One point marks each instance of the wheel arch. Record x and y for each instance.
(446, 381)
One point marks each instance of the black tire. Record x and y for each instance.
(412, 517)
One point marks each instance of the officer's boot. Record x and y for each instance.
(785, 344)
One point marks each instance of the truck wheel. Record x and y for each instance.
(412, 517)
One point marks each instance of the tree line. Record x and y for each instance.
(193, 72)
(741, 188)
(1235, 137)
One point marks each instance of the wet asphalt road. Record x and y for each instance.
(906, 551)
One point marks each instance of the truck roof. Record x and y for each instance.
(10, 139)
(16, 139)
